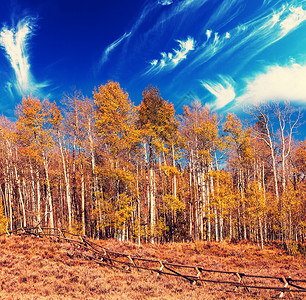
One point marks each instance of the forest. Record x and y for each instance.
(105, 168)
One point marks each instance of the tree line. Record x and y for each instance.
(106, 168)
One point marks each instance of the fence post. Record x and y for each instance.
(285, 286)
(132, 261)
(160, 269)
(199, 275)
(240, 275)
(61, 232)
(108, 256)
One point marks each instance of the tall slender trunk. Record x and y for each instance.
(38, 196)
(201, 184)
(192, 198)
(261, 233)
(174, 176)
(8, 192)
(138, 205)
(275, 177)
(152, 204)
(49, 203)
(20, 197)
(231, 225)
(212, 189)
(82, 198)
(241, 185)
(209, 212)
(93, 165)
(34, 206)
(67, 183)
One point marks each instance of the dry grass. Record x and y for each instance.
(35, 268)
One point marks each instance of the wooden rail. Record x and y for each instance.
(193, 274)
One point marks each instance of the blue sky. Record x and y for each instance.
(228, 54)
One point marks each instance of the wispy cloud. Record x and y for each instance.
(225, 13)
(264, 29)
(127, 36)
(141, 37)
(15, 43)
(214, 44)
(179, 8)
(294, 18)
(112, 47)
(223, 90)
(267, 28)
(208, 34)
(186, 4)
(277, 83)
(165, 2)
(172, 59)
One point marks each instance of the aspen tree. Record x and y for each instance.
(156, 120)
(288, 121)
(35, 130)
(275, 127)
(295, 197)
(238, 140)
(78, 111)
(115, 125)
(199, 128)
(58, 126)
(6, 145)
(265, 132)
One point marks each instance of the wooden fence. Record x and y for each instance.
(194, 274)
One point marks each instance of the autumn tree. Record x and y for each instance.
(77, 133)
(158, 125)
(115, 124)
(35, 131)
(199, 128)
(104, 168)
(7, 139)
(275, 126)
(295, 197)
(240, 157)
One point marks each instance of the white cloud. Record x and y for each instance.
(208, 34)
(266, 2)
(210, 48)
(8, 88)
(295, 17)
(276, 16)
(186, 4)
(171, 60)
(225, 13)
(165, 2)
(179, 7)
(15, 42)
(176, 8)
(250, 38)
(277, 84)
(112, 47)
(154, 62)
(266, 29)
(216, 41)
(223, 91)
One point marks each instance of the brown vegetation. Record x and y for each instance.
(37, 268)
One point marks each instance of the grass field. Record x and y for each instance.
(38, 268)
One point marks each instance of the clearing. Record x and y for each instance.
(40, 268)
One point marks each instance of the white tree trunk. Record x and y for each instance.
(49, 195)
